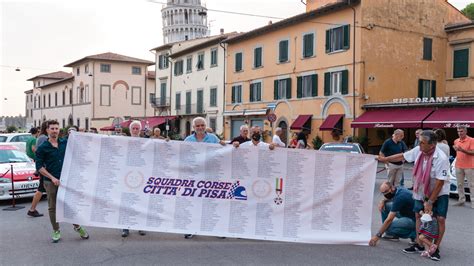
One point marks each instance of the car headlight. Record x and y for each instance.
(5, 180)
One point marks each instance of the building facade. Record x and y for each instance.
(184, 20)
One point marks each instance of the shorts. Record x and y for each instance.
(440, 207)
(41, 185)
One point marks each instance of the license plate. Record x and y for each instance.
(29, 185)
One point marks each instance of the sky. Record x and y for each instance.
(42, 36)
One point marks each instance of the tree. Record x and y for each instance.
(11, 129)
(468, 11)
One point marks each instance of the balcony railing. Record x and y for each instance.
(159, 102)
(190, 109)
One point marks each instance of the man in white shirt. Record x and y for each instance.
(276, 138)
(431, 190)
(255, 136)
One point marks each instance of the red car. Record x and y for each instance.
(25, 181)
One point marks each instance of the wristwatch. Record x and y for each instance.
(379, 235)
(430, 202)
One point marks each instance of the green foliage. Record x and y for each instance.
(468, 11)
(11, 129)
(126, 131)
(317, 142)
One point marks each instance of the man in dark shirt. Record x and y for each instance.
(49, 163)
(243, 137)
(394, 145)
(397, 214)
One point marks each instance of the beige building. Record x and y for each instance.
(100, 88)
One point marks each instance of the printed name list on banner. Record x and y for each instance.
(208, 189)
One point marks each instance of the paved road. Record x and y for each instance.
(25, 241)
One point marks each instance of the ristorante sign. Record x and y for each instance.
(452, 99)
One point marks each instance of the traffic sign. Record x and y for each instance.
(272, 117)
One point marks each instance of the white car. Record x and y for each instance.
(453, 189)
(25, 182)
(19, 139)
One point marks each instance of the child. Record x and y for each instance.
(428, 233)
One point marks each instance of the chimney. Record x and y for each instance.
(222, 31)
(270, 22)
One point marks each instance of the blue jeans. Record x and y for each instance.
(403, 227)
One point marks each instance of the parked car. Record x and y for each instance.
(25, 181)
(19, 139)
(453, 188)
(342, 147)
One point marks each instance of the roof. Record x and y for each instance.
(29, 91)
(111, 57)
(163, 47)
(211, 41)
(151, 74)
(57, 82)
(330, 8)
(459, 26)
(53, 75)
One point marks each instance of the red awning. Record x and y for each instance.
(392, 118)
(107, 128)
(450, 117)
(300, 121)
(330, 122)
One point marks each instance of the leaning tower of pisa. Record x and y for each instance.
(184, 20)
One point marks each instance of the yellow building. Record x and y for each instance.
(318, 70)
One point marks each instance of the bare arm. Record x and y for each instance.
(45, 172)
(385, 225)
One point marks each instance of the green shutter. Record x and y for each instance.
(308, 45)
(233, 94)
(420, 88)
(238, 62)
(288, 88)
(259, 92)
(257, 57)
(275, 89)
(461, 63)
(314, 82)
(328, 41)
(427, 48)
(299, 87)
(327, 83)
(283, 51)
(345, 82)
(346, 41)
(251, 93)
(433, 88)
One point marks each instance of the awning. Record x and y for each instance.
(255, 111)
(330, 122)
(152, 121)
(107, 128)
(450, 118)
(392, 118)
(234, 113)
(300, 121)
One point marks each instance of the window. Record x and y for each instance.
(163, 61)
(461, 63)
(212, 123)
(257, 57)
(336, 83)
(104, 95)
(163, 93)
(55, 99)
(200, 102)
(337, 39)
(44, 101)
(78, 122)
(78, 70)
(81, 95)
(256, 92)
(86, 94)
(200, 62)
(49, 99)
(178, 68)
(70, 96)
(426, 88)
(136, 95)
(178, 101)
(87, 123)
(213, 57)
(64, 97)
(86, 68)
(189, 64)
(237, 94)
(307, 86)
(238, 62)
(308, 45)
(188, 102)
(136, 70)
(213, 97)
(64, 123)
(282, 89)
(427, 48)
(39, 101)
(105, 68)
(283, 51)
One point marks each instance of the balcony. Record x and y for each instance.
(190, 109)
(159, 102)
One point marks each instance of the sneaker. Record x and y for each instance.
(412, 242)
(390, 237)
(82, 232)
(188, 236)
(142, 233)
(125, 232)
(34, 213)
(56, 236)
(436, 256)
(414, 249)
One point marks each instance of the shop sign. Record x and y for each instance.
(455, 125)
(383, 125)
(453, 99)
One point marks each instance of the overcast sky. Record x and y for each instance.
(41, 36)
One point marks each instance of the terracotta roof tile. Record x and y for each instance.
(53, 75)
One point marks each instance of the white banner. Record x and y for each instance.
(207, 189)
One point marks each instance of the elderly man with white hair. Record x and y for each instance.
(243, 137)
(256, 136)
(276, 138)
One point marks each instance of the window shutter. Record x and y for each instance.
(328, 41)
(275, 89)
(314, 82)
(288, 88)
(420, 88)
(327, 83)
(299, 87)
(238, 62)
(461, 63)
(251, 92)
(427, 48)
(433, 88)
(233, 94)
(308, 45)
(346, 40)
(259, 92)
(345, 82)
(283, 51)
